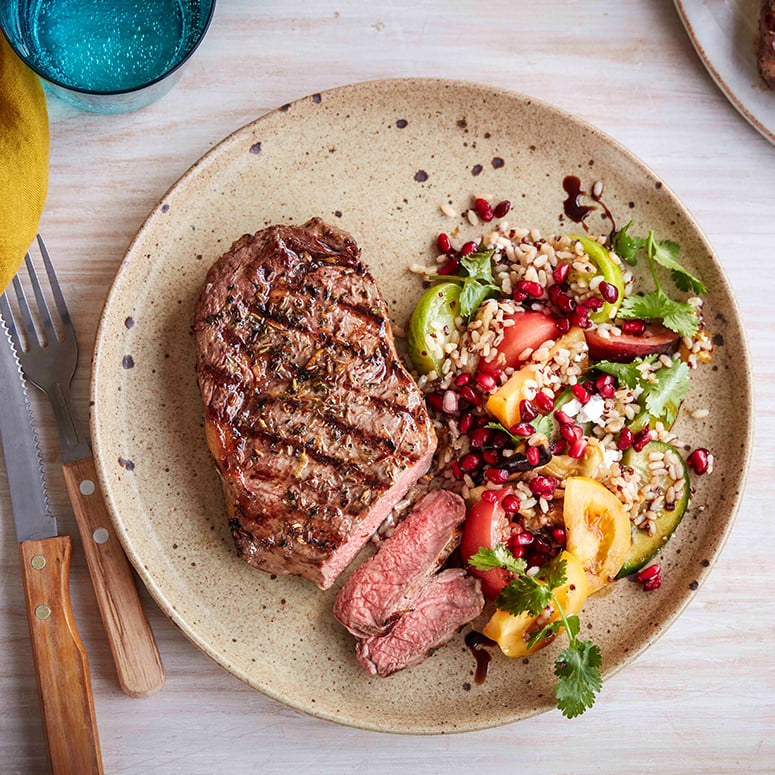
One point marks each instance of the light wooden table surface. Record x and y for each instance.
(701, 699)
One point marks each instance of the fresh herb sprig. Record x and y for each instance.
(677, 316)
(477, 284)
(578, 666)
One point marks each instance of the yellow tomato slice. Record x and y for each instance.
(512, 632)
(597, 529)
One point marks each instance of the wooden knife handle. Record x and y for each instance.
(61, 666)
(139, 667)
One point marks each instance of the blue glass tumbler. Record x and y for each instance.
(106, 56)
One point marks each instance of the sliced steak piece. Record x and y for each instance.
(447, 602)
(387, 584)
(315, 426)
(767, 43)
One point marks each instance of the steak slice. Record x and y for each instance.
(767, 43)
(316, 428)
(387, 584)
(447, 602)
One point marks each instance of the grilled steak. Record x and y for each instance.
(447, 602)
(387, 584)
(316, 427)
(767, 43)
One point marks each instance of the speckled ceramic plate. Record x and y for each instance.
(377, 159)
(725, 34)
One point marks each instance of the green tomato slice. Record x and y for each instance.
(644, 546)
(611, 272)
(433, 319)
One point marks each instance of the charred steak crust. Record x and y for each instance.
(767, 43)
(315, 426)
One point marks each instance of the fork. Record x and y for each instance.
(49, 362)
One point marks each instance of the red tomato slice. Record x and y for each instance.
(486, 525)
(626, 347)
(530, 329)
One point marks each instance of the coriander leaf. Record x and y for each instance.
(665, 253)
(676, 315)
(524, 593)
(626, 246)
(671, 387)
(499, 557)
(553, 573)
(574, 626)
(479, 265)
(473, 294)
(544, 633)
(579, 679)
(626, 373)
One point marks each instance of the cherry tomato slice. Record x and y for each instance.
(530, 330)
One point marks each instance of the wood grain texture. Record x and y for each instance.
(61, 665)
(138, 664)
(701, 700)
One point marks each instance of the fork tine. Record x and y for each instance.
(28, 325)
(10, 323)
(45, 315)
(56, 290)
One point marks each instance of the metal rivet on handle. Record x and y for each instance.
(100, 535)
(38, 562)
(86, 487)
(42, 612)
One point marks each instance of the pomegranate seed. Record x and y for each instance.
(462, 379)
(469, 247)
(593, 303)
(497, 373)
(480, 437)
(578, 448)
(510, 503)
(543, 485)
(563, 325)
(580, 318)
(466, 420)
(569, 432)
(502, 208)
(565, 302)
(443, 243)
(524, 539)
(634, 327)
(641, 439)
(491, 456)
(523, 429)
(499, 439)
(449, 402)
(544, 401)
(451, 267)
(527, 410)
(648, 573)
(589, 386)
(435, 401)
(533, 455)
(698, 460)
(625, 439)
(517, 550)
(483, 209)
(559, 535)
(497, 475)
(486, 381)
(558, 447)
(580, 393)
(652, 584)
(456, 472)
(560, 273)
(482, 421)
(467, 393)
(608, 291)
(605, 385)
(535, 290)
(470, 462)
(563, 418)
(540, 544)
(519, 296)
(490, 496)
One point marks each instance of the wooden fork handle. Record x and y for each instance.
(139, 667)
(61, 666)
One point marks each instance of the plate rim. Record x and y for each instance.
(201, 164)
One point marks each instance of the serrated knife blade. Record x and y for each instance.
(26, 482)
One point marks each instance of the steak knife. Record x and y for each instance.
(61, 664)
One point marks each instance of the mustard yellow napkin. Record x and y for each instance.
(23, 160)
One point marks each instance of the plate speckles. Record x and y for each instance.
(232, 612)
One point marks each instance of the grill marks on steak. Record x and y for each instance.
(316, 427)
(386, 586)
(447, 602)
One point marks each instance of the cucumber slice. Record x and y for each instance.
(434, 316)
(645, 546)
